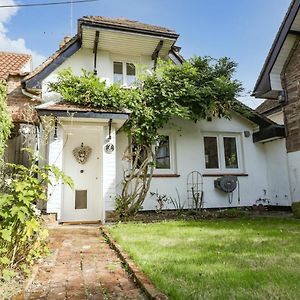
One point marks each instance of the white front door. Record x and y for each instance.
(84, 202)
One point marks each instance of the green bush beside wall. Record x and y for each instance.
(296, 209)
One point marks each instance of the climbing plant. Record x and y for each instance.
(5, 120)
(201, 88)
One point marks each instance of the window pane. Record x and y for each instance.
(230, 152)
(211, 152)
(130, 73)
(118, 72)
(162, 151)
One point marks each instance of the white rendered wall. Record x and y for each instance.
(109, 171)
(278, 192)
(190, 157)
(84, 59)
(294, 174)
(55, 158)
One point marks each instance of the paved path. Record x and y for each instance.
(81, 266)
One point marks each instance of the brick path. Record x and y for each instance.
(81, 266)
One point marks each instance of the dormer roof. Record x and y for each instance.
(268, 84)
(120, 36)
(123, 24)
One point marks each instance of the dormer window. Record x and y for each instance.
(124, 73)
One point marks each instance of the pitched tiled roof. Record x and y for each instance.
(12, 63)
(268, 106)
(122, 22)
(52, 58)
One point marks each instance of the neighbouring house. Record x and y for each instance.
(13, 68)
(279, 82)
(112, 48)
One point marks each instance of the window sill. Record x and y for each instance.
(165, 175)
(226, 174)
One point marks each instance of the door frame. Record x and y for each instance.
(79, 127)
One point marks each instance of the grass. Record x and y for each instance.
(244, 258)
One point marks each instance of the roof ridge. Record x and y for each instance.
(118, 21)
(15, 53)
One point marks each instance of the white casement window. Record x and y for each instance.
(165, 155)
(164, 150)
(124, 73)
(223, 152)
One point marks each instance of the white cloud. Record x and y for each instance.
(18, 45)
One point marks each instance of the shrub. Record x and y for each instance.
(5, 120)
(296, 209)
(22, 234)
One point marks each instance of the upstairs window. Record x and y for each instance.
(130, 74)
(124, 73)
(222, 152)
(118, 72)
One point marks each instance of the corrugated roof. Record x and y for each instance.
(12, 63)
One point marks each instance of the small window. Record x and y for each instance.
(211, 152)
(130, 74)
(230, 152)
(162, 151)
(118, 73)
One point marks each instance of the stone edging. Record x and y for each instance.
(139, 277)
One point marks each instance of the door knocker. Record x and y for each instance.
(82, 153)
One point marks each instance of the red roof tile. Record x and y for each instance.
(12, 63)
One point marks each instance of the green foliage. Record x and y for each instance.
(296, 209)
(201, 88)
(217, 259)
(88, 90)
(22, 234)
(5, 120)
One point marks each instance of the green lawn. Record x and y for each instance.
(217, 259)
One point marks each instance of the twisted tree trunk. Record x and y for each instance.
(136, 181)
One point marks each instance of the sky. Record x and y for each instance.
(240, 29)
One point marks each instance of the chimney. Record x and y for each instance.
(64, 41)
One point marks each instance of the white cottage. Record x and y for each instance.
(112, 48)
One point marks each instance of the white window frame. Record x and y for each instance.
(221, 153)
(124, 71)
(173, 166)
